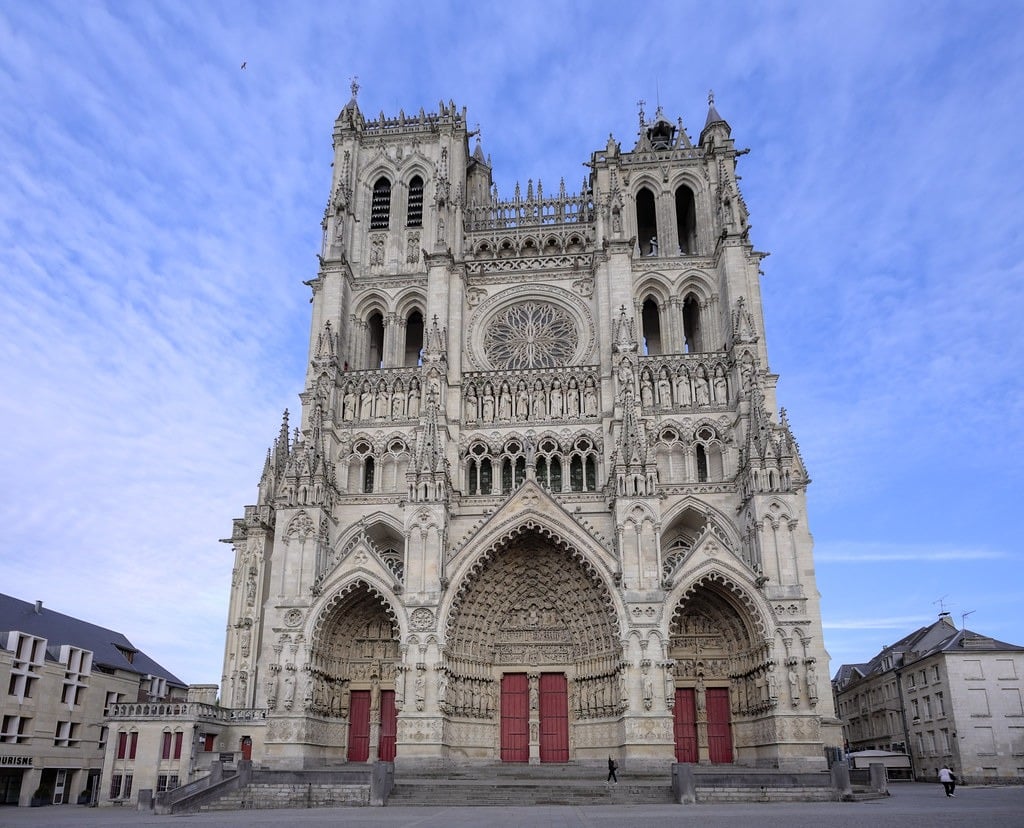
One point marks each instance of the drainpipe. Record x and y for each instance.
(906, 731)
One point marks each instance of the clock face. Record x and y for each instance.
(531, 335)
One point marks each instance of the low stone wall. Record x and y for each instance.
(292, 795)
(692, 784)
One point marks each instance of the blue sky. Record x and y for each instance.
(160, 208)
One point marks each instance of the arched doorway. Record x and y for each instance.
(353, 664)
(532, 636)
(719, 658)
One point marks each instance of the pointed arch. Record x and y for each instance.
(380, 203)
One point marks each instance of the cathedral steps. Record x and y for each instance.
(519, 785)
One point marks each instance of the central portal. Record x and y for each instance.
(534, 631)
(550, 701)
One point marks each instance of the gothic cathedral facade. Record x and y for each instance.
(540, 505)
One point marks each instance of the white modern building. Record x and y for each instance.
(942, 695)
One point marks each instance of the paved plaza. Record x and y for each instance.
(910, 806)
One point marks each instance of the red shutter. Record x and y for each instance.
(388, 726)
(133, 745)
(359, 726)
(685, 725)
(208, 740)
(554, 718)
(165, 752)
(515, 718)
(122, 748)
(177, 745)
(719, 729)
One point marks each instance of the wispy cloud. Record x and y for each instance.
(867, 552)
(902, 623)
(160, 208)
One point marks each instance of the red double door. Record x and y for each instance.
(359, 726)
(553, 701)
(719, 727)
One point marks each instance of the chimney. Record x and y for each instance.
(39, 607)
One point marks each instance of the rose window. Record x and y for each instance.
(531, 335)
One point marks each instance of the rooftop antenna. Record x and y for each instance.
(943, 612)
(963, 618)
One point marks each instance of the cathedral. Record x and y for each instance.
(539, 505)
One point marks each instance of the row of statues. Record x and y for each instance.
(548, 398)
(673, 386)
(381, 401)
(544, 398)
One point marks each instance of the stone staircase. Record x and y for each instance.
(517, 785)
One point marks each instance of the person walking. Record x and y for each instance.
(948, 780)
(612, 767)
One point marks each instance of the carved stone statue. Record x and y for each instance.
(505, 402)
(488, 404)
(589, 398)
(664, 389)
(572, 398)
(471, 404)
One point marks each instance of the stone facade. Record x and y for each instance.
(944, 696)
(540, 504)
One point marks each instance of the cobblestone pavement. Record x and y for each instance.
(910, 806)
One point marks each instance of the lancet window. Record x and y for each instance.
(371, 472)
(380, 205)
(479, 471)
(414, 208)
(651, 320)
(375, 341)
(708, 451)
(692, 328)
(413, 338)
(686, 220)
(646, 223)
(555, 468)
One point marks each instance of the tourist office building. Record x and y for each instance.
(539, 503)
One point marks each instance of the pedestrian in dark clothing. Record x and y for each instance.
(612, 767)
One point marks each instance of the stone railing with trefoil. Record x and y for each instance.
(184, 710)
(532, 211)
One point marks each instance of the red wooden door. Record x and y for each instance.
(359, 726)
(719, 729)
(554, 718)
(515, 718)
(388, 726)
(684, 721)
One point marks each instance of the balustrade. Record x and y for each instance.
(183, 710)
(531, 212)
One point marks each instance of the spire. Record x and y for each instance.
(429, 478)
(713, 116)
(634, 475)
(715, 123)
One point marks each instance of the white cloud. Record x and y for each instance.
(866, 552)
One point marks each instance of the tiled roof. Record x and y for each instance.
(940, 636)
(58, 628)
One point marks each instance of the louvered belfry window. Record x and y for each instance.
(380, 209)
(414, 215)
